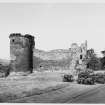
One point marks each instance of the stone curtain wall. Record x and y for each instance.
(68, 59)
(58, 59)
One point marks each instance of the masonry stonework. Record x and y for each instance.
(78, 55)
(73, 59)
(21, 52)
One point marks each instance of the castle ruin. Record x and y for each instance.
(21, 52)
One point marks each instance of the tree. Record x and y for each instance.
(93, 62)
(90, 53)
(103, 53)
(103, 60)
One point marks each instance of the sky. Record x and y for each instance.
(54, 25)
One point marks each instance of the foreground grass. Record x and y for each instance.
(16, 87)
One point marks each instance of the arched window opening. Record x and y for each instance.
(13, 40)
(80, 56)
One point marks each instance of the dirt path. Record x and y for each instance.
(96, 95)
(61, 95)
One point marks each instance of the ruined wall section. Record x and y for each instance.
(70, 59)
(52, 60)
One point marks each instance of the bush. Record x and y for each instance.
(90, 78)
(85, 74)
(99, 78)
(68, 78)
(88, 81)
(4, 70)
(86, 78)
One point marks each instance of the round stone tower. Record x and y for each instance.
(21, 52)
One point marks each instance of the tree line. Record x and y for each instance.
(94, 62)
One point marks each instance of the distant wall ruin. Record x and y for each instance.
(71, 59)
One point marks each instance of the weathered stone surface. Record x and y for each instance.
(21, 52)
(61, 58)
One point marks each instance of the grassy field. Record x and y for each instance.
(15, 87)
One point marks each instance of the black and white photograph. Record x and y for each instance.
(52, 51)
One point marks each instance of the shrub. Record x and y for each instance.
(68, 78)
(4, 70)
(99, 78)
(86, 78)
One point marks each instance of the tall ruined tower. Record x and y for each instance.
(21, 52)
(83, 55)
(84, 49)
(78, 55)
